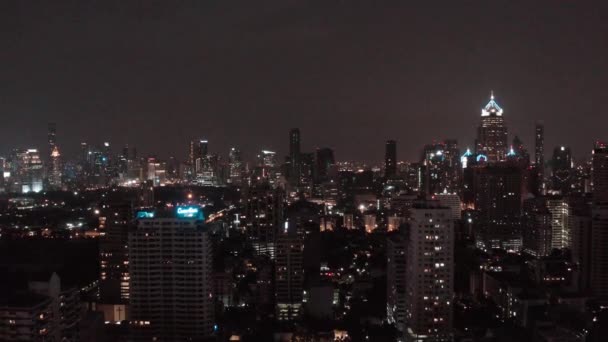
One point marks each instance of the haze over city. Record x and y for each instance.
(241, 73)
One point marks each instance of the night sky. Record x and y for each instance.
(349, 74)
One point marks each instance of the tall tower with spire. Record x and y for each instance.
(492, 133)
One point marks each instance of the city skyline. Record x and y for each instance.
(259, 66)
(255, 151)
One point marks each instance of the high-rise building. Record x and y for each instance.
(599, 223)
(198, 151)
(55, 169)
(560, 232)
(235, 161)
(396, 278)
(324, 161)
(26, 170)
(539, 155)
(496, 192)
(264, 213)
(114, 258)
(580, 227)
(430, 273)
(390, 159)
(562, 170)
(537, 232)
(441, 166)
(492, 133)
(294, 155)
(289, 269)
(451, 201)
(170, 269)
(156, 171)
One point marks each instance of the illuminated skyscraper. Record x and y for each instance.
(539, 154)
(537, 232)
(198, 151)
(294, 155)
(263, 215)
(390, 159)
(441, 166)
(430, 273)
(289, 268)
(114, 260)
(497, 195)
(235, 161)
(55, 169)
(561, 237)
(396, 279)
(267, 159)
(599, 223)
(492, 133)
(26, 170)
(561, 170)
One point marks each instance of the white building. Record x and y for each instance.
(430, 270)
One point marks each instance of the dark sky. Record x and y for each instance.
(349, 74)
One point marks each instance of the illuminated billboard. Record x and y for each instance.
(144, 214)
(189, 212)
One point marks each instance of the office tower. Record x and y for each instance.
(156, 171)
(235, 161)
(560, 232)
(537, 229)
(26, 170)
(55, 169)
(396, 280)
(492, 133)
(430, 273)
(562, 170)
(84, 158)
(264, 213)
(198, 151)
(267, 169)
(580, 226)
(267, 159)
(126, 161)
(441, 167)
(581, 178)
(294, 155)
(539, 155)
(324, 161)
(451, 201)
(307, 167)
(171, 276)
(496, 192)
(599, 223)
(114, 259)
(390, 159)
(289, 269)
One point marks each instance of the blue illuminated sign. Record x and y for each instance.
(144, 214)
(189, 212)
